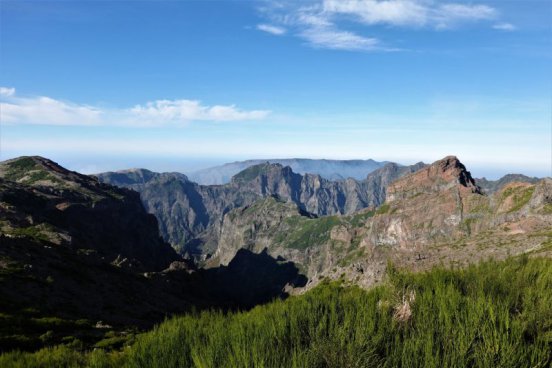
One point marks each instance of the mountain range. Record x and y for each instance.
(188, 212)
(434, 215)
(328, 169)
(186, 209)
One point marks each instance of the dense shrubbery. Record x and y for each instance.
(496, 314)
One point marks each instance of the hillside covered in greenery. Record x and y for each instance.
(495, 314)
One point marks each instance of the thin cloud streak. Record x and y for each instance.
(275, 30)
(505, 27)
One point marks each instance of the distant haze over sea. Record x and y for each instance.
(89, 164)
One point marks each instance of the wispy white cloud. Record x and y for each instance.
(48, 111)
(6, 91)
(410, 12)
(505, 27)
(190, 110)
(396, 12)
(275, 30)
(320, 22)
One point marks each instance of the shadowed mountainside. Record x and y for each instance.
(74, 252)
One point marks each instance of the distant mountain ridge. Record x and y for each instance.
(492, 186)
(327, 169)
(188, 212)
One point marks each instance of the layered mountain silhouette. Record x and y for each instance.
(189, 213)
(328, 169)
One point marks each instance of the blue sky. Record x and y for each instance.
(178, 85)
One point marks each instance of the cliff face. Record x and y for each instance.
(436, 214)
(185, 209)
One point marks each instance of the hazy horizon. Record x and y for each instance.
(96, 165)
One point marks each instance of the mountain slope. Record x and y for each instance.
(39, 196)
(328, 169)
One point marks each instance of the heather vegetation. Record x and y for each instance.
(305, 232)
(495, 314)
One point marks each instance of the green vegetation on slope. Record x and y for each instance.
(496, 314)
(305, 232)
(520, 196)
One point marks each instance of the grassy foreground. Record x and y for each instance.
(496, 314)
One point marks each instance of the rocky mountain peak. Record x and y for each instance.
(451, 169)
(442, 174)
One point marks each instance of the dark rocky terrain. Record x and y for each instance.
(41, 198)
